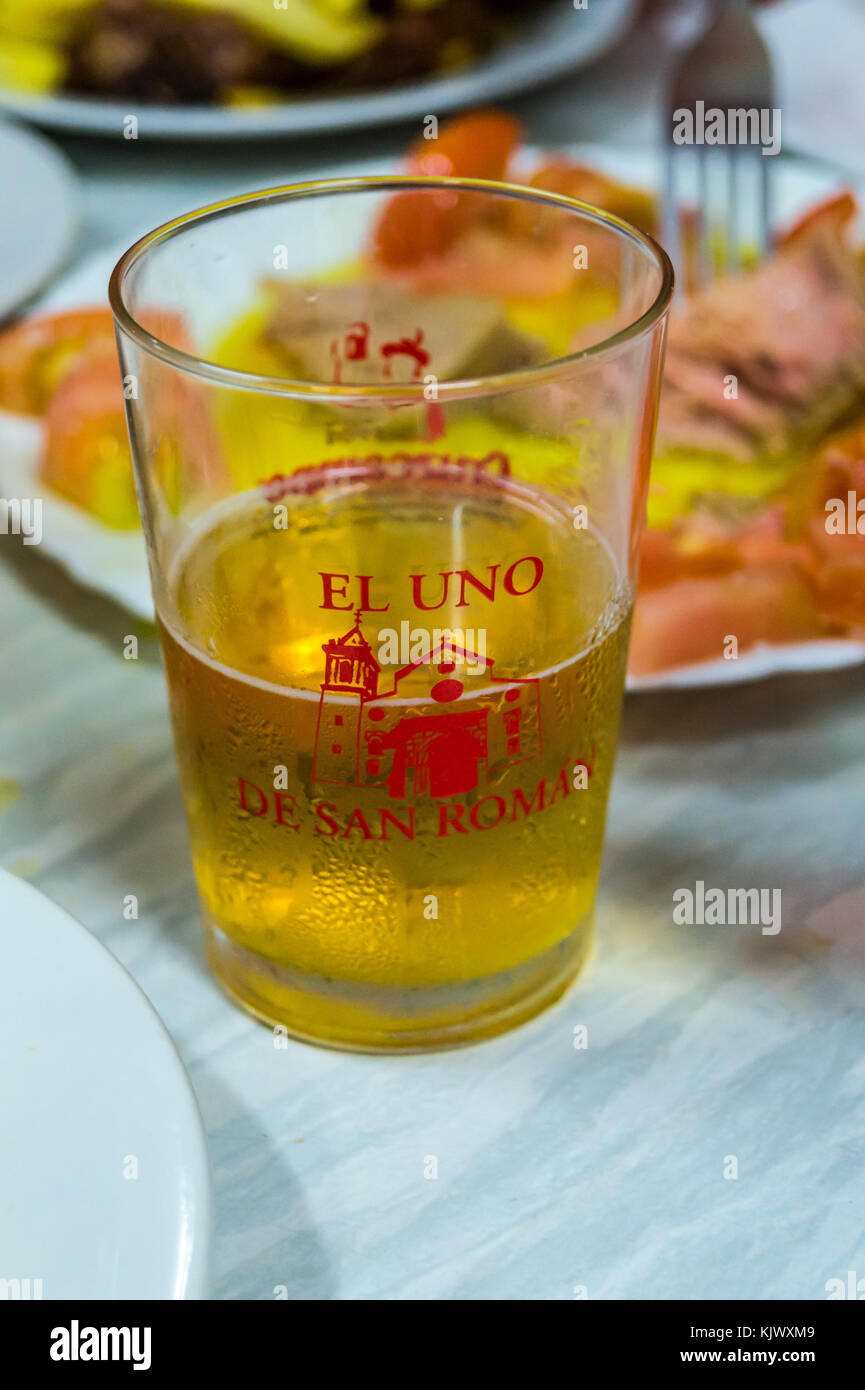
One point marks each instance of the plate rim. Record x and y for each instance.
(517, 66)
(20, 895)
(55, 164)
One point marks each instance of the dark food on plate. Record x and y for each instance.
(241, 51)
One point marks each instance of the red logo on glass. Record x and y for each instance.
(370, 737)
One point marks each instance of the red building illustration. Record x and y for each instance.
(398, 739)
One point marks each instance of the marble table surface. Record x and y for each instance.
(604, 1171)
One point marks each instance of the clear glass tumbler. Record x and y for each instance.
(392, 441)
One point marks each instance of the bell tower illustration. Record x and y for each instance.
(351, 675)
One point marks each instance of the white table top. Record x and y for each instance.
(558, 1169)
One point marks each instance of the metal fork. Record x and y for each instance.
(727, 68)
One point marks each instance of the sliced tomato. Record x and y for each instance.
(693, 620)
(700, 544)
(64, 367)
(35, 354)
(87, 456)
(835, 526)
(418, 224)
(669, 555)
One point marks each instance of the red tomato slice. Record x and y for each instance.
(691, 620)
(87, 456)
(415, 225)
(35, 354)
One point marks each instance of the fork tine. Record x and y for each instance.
(732, 231)
(728, 67)
(765, 207)
(704, 220)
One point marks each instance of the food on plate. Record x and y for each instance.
(576, 180)
(36, 352)
(63, 369)
(698, 620)
(756, 505)
(787, 571)
(787, 339)
(713, 586)
(86, 456)
(832, 520)
(761, 368)
(412, 226)
(240, 52)
(464, 336)
(454, 241)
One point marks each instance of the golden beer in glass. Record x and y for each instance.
(394, 605)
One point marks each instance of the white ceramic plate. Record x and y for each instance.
(40, 213)
(548, 45)
(114, 562)
(90, 1086)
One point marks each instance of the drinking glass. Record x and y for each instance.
(392, 441)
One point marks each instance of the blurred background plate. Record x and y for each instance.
(90, 1085)
(40, 213)
(549, 45)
